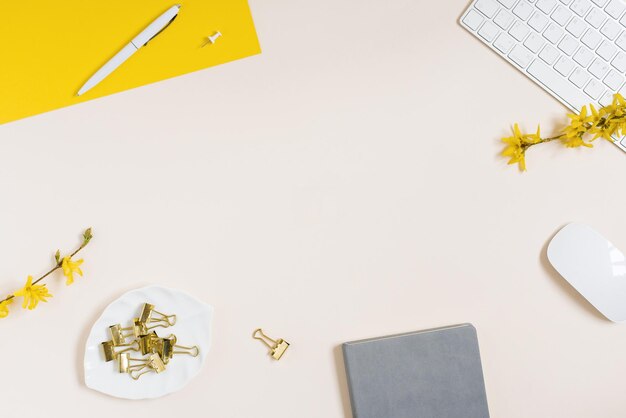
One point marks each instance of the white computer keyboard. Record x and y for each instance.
(574, 49)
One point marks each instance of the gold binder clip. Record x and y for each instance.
(149, 343)
(147, 313)
(110, 352)
(117, 334)
(127, 363)
(152, 363)
(124, 361)
(277, 347)
(139, 328)
(167, 347)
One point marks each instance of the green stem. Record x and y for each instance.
(553, 138)
(542, 141)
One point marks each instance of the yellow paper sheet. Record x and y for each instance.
(48, 49)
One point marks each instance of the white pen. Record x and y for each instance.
(140, 40)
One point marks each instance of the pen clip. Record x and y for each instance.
(162, 29)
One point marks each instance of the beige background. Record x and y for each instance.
(342, 185)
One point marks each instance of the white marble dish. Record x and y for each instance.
(193, 327)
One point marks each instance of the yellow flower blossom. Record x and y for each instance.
(4, 307)
(617, 106)
(518, 144)
(33, 293)
(613, 120)
(69, 268)
(578, 126)
(583, 128)
(598, 127)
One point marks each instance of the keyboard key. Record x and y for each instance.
(595, 18)
(538, 21)
(621, 41)
(519, 31)
(579, 77)
(607, 50)
(473, 19)
(523, 10)
(580, 7)
(568, 45)
(554, 82)
(594, 89)
(613, 80)
(610, 29)
(521, 56)
(583, 56)
(546, 6)
(504, 19)
(534, 42)
(549, 54)
(487, 7)
(576, 27)
(564, 66)
(623, 20)
(561, 15)
(599, 68)
(507, 3)
(504, 43)
(553, 33)
(615, 8)
(591, 38)
(600, 3)
(607, 98)
(619, 62)
(488, 31)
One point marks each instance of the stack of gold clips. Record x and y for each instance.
(141, 338)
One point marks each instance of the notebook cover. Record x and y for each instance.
(435, 373)
(50, 48)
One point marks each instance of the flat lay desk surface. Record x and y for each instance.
(343, 184)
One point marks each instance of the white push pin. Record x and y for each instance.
(211, 39)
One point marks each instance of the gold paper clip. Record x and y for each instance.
(110, 352)
(277, 347)
(147, 313)
(152, 363)
(168, 348)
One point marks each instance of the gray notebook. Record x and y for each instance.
(435, 373)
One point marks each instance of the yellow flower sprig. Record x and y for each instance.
(33, 293)
(583, 129)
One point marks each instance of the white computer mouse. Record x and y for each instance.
(593, 266)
